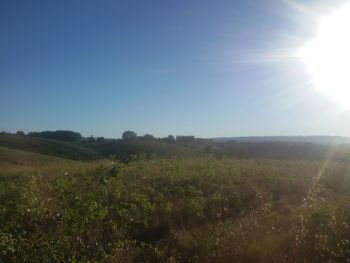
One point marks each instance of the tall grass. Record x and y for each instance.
(179, 210)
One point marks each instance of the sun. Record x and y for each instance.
(327, 57)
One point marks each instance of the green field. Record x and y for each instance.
(172, 209)
(49, 147)
(14, 162)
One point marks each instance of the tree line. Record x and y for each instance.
(71, 136)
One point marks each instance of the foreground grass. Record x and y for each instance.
(179, 210)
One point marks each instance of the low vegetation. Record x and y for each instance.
(179, 210)
(126, 150)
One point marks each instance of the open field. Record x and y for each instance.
(14, 162)
(175, 131)
(61, 149)
(175, 210)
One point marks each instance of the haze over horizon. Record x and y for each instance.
(164, 67)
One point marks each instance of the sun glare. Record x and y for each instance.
(327, 57)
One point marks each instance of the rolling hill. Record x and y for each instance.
(46, 146)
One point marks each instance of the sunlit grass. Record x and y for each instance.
(178, 210)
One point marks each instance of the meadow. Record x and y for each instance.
(172, 209)
(266, 84)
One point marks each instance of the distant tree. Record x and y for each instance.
(148, 137)
(129, 135)
(100, 139)
(21, 133)
(185, 138)
(69, 136)
(91, 138)
(170, 139)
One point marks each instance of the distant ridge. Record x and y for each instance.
(320, 139)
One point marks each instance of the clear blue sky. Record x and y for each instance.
(200, 67)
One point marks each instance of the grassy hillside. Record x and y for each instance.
(127, 150)
(180, 210)
(14, 161)
(122, 150)
(49, 147)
